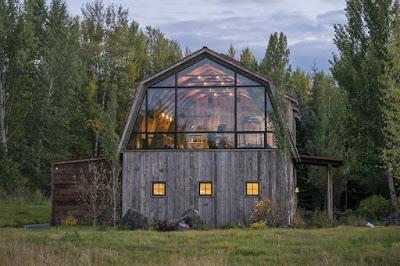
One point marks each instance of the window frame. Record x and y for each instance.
(252, 182)
(152, 189)
(212, 189)
(266, 132)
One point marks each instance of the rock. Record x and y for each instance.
(370, 225)
(393, 218)
(164, 225)
(134, 220)
(182, 226)
(192, 218)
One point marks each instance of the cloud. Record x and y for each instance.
(218, 23)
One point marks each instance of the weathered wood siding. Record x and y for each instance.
(227, 169)
(65, 198)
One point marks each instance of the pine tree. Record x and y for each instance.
(275, 63)
(231, 52)
(248, 60)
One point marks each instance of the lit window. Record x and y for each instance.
(205, 188)
(158, 189)
(252, 189)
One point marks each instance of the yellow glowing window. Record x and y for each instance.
(252, 188)
(205, 188)
(158, 189)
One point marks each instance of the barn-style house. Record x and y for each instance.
(202, 134)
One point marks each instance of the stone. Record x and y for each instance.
(191, 217)
(393, 218)
(370, 225)
(134, 220)
(182, 226)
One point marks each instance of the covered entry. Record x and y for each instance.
(329, 164)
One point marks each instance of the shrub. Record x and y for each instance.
(258, 226)
(298, 219)
(70, 220)
(269, 212)
(164, 226)
(374, 208)
(318, 219)
(10, 177)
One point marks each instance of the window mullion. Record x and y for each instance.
(235, 111)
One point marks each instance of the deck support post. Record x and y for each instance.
(329, 192)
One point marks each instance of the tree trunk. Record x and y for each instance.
(392, 191)
(3, 116)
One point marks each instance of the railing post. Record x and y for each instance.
(329, 192)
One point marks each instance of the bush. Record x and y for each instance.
(318, 219)
(269, 212)
(374, 208)
(10, 177)
(258, 226)
(164, 226)
(70, 220)
(298, 219)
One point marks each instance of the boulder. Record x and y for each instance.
(393, 218)
(182, 226)
(134, 220)
(191, 218)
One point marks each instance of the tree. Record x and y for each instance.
(248, 60)
(391, 111)
(358, 70)
(231, 52)
(94, 187)
(275, 63)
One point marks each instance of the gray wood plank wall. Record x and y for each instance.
(227, 169)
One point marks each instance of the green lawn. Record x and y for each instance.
(79, 245)
(16, 214)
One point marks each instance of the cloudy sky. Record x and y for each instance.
(218, 23)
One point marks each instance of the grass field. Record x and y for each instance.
(79, 245)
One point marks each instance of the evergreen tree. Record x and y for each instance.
(275, 63)
(248, 60)
(358, 69)
(231, 52)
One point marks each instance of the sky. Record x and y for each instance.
(308, 24)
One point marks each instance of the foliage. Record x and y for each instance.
(267, 211)
(164, 225)
(374, 208)
(248, 60)
(94, 190)
(10, 177)
(358, 69)
(70, 220)
(258, 225)
(66, 82)
(298, 219)
(275, 63)
(391, 110)
(318, 219)
(231, 52)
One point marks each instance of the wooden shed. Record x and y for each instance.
(202, 134)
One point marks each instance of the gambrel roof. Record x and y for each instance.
(193, 58)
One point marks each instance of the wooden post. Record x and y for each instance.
(329, 192)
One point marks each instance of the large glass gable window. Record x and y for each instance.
(204, 106)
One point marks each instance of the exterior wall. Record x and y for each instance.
(227, 169)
